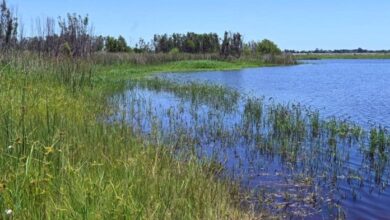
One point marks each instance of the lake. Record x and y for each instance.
(299, 161)
(355, 89)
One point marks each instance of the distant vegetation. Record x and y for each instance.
(116, 45)
(8, 26)
(358, 53)
(268, 47)
(73, 36)
(338, 51)
(187, 43)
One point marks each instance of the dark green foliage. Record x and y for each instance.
(122, 44)
(8, 26)
(373, 142)
(187, 43)
(231, 45)
(381, 141)
(116, 45)
(268, 47)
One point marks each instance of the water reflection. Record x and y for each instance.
(296, 164)
(355, 89)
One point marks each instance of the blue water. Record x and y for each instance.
(358, 90)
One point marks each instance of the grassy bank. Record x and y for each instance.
(60, 160)
(127, 71)
(342, 56)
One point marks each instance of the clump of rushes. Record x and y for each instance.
(219, 97)
(332, 132)
(343, 129)
(253, 112)
(382, 143)
(357, 132)
(373, 142)
(315, 123)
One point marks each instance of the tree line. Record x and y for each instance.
(69, 36)
(338, 51)
(73, 36)
(187, 43)
(231, 44)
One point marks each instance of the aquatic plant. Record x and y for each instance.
(252, 136)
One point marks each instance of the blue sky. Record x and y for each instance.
(292, 24)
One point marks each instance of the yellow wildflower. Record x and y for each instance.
(49, 150)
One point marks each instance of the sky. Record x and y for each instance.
(292, 24)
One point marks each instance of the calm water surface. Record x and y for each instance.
(355, 89)
(321, 179)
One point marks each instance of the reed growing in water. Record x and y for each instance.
(289, 158)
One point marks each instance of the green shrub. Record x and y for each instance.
(268, 47)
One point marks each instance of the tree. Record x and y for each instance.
(189, 46)
(187, 43)
(231, 45)
(142, 46)
(112, 44)
(236, 45)
(225, 49)
(268, 47)
(8, 26)
(122, 45)
(76, 32)
(116, 45)
(162, 43)
(98, 43)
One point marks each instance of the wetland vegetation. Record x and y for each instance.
(61, 159)
(290, 161)
(90, 129)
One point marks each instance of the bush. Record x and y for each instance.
(268, 47)
(116, 45)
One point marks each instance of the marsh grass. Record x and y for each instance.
(188, 58)
(218, 97)
(59, 160)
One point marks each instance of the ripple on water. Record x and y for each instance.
(357, 88)
(335, 89)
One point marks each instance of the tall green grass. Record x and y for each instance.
(60, 160)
